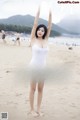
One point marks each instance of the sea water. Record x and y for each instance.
(65, 41)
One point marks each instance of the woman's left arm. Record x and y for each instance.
(49, 25)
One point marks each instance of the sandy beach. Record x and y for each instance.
(61, 97)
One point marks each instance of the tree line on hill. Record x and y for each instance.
(23, 29)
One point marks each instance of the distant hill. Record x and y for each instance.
(18, 20)
(71, 23)
(27, 20)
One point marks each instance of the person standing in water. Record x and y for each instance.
(39, 44)
(17, 39)
(3, 36)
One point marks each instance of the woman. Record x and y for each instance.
(39, 43)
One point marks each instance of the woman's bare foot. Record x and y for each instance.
(40, 113)
(34, 114)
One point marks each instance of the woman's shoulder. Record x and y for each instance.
(45, 41)
(31, 42)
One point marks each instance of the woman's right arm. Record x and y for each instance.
(35, 25)
(49, 25)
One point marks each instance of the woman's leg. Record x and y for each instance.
(40, 92)
(32, 91)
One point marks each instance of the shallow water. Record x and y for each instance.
(65, 41)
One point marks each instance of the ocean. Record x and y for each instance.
(65, 41)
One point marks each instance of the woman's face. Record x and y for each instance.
(40, 32)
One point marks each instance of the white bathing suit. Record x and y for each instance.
(38, 62)
(38, 56)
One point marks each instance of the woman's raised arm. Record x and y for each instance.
(49, 25)
(35, 25)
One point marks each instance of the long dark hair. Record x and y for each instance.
(45, 29)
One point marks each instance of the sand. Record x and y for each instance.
(61, 97)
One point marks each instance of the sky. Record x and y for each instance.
(23, 7)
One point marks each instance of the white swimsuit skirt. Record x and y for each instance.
(38, 62)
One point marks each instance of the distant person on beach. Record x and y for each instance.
(17, 39)
(39, 46)
(3, 36)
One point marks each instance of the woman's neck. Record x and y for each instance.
(40, 39)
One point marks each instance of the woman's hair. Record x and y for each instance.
(45, 30)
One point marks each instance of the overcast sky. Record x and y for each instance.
(23, 7)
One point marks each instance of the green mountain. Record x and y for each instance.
(27, 20)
